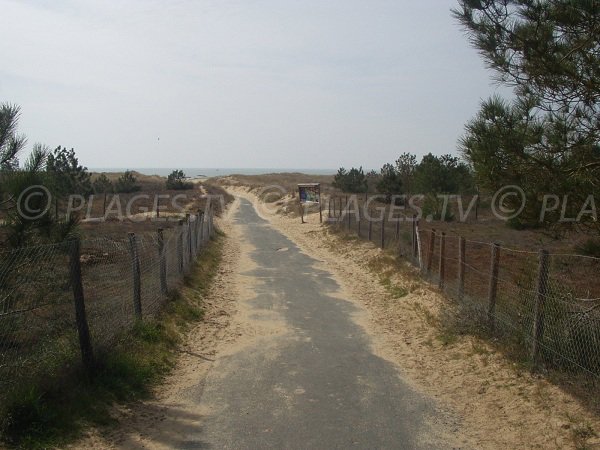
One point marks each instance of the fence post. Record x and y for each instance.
(349, 217)
(539, 310)
(383, 232)
(162, 261)
(370, 226)
(201, 228)
(414, 236)
(180, 246)
(397, 229)
(340, 206)
(188, 220)
(358, 222)
(135, 269)
(430, 250)
(461, 267)
(320, 210)
(329, 206)
(442, 266)
(83, 331)
(493, 287)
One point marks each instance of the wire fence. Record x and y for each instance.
(63, 302)
(546, 305)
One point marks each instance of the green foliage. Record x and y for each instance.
(66, 174)
(126, 183)
(11, 144)
(102, 185)
(444, 174)
(353, 181)
(547, 139)
(390, 182)
(176, 181)
(406, 166)
(433, 209)
(26, 203)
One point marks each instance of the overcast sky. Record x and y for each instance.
(228, 83)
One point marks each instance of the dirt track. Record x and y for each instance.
(481, 401)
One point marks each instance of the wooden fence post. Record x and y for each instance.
(180, 246)
(397, 228)
(430, 250)
(383, 232)
(83, 331)
(162, 261)
(493, 286)
(370, 219)
(340, 207)
(349, 216)
(329, 206)
(137, 282)
(320, 211)
(414, 236)
(201, 228)
(539, 309)
(442, 265)
(461, 267)
(189, 237)
(358, 222)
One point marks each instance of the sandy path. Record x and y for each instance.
(497, 405)
(500, 405)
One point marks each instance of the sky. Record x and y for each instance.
(250, 83)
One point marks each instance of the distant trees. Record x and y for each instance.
(444, 174)
(353, 181)
(177, 181)
(546, 140)
(390, 182)
(127, 183)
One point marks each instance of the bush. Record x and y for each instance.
(127, 183)
(176, 181)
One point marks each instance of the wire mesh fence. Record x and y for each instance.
(546, 305)
(52, 296)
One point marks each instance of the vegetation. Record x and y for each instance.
(127, 183)
(444, 174)
(177, 181)
(353, 181)
(54, 410)
(27, 190)
(66, 174)
(546, 140)
(102, 185)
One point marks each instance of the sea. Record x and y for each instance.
(195, 172)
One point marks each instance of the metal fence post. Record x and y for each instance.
(135, 270)
(493, 286)
(162, 261)
(442, 265)
(180, 246)
(83, 331)
(461, 267)
(539, 310)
